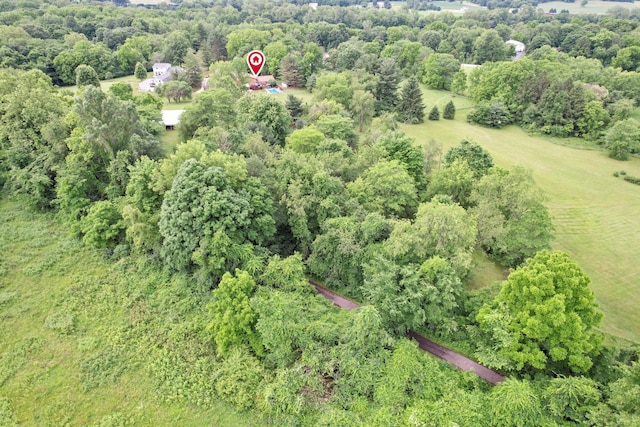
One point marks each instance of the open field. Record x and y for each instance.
(596, 216)
(594, 6)
(79, 342)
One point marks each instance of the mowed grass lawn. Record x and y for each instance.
(594, 6)
(596, 216)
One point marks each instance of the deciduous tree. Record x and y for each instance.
(546, 315)
(233, 320)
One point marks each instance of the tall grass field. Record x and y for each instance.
(81, 341)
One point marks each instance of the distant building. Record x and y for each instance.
(313, 6)
(260, 82)
(519, 48)
(171, 118)
(161, 74)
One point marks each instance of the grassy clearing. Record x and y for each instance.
(169, 140)
(596, 216)
(594, 6)
(81, 342)
(484, 271)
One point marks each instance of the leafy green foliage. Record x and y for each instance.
(440, 229)
(479, 160)
(305, 140)
(268, 115)
(233, 320)
(344, 245)
(513, 224)
(490, 114)
(455, 180)
(240, 379)
(546, 313)
(386, 187)
(572, 398)
(176, 90)
(102, 227)
(86, 76)
(203, 202)
(515, 403)
(622, 139)
(439, 69)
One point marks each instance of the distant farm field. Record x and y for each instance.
(596, 215)
(594, 6)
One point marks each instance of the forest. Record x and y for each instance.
(161, 277)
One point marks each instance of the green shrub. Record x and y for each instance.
(240, 379)
(632, 179)
(6, 297)
(434, 114)
(111, 420)
(616, 174)
(103, 368)
(7, 415)
(61, 322)
(623, 173)
(491, 114)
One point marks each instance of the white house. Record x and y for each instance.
(161, 74)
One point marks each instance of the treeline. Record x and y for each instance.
(57, 37)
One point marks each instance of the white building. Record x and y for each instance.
(161, 74)
(519, 48)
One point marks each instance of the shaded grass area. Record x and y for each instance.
(169, 139)
(596, 216)
(86, 341)
(484, 272)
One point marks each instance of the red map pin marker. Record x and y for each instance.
(255, 60)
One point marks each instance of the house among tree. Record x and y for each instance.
(519, 48)
(259, 82)
(161, 74)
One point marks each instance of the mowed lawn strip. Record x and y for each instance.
(596, 215)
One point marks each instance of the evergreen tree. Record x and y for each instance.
(140, 72)
(291, 71)
(410, 107)
(449, 112)
(386, 91)
(434, 114)
(294, 106)
(193, 72)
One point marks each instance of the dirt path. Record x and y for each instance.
(456, 359)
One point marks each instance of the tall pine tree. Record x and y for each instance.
(435, 113)
(410, 107)
(449, 112)
(386, 91)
